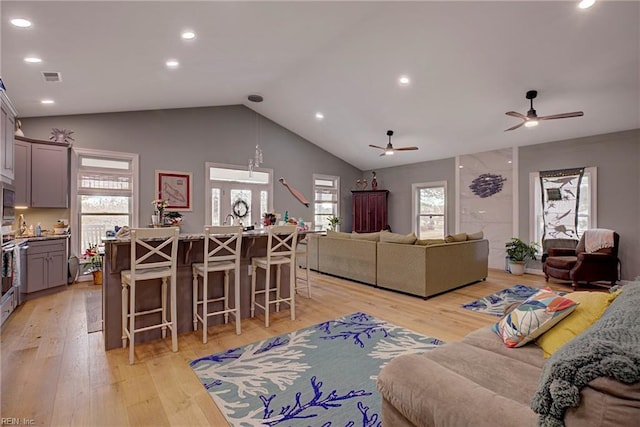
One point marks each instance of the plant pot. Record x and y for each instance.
(97, 277)
(516, 268)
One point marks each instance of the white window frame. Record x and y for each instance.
(536, 209)
(208, 184)
(336, 181)
(76, 154)
(415, 207)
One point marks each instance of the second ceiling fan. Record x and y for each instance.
(532, 119)
(389, 150)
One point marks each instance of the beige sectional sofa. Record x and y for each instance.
(410, 268)
(592, 380)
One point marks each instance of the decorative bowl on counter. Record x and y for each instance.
(61, 230)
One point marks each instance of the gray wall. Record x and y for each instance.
(184, 139)
(398, 181)
(617, 157)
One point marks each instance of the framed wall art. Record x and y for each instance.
(175, 188)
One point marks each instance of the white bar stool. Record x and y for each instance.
(221, 253)
(281, 249)
(302, 254)
(154, 255)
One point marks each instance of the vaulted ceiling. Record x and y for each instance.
(468, 63)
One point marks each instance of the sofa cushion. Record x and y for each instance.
(475, 236)
(536, 315)
(429, 242)
(485, 338)
(460, 237)
(590, 308)
(374, 237)
(562, 262)
(338, 235)
(388, 237)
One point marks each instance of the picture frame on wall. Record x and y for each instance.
(175, 188)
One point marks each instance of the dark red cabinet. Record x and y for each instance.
(370, 210)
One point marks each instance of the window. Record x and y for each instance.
(229, 185)
(586, 207)
(429, 209)
(105, 183)
(326, 200)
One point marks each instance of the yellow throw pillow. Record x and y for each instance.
(407, 239)
(366, 236)
(460, 237)
(338, 235)
(590, 308)
(429, 242)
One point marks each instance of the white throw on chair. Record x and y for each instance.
(281, 250)
(154, 255)
(302, 254)
(221, 253)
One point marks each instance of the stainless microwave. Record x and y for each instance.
(8, 203)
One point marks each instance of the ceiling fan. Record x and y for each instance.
(532, 119)
(389, 150)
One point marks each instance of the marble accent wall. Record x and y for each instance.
(486, 199)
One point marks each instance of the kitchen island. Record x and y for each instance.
(190, 250)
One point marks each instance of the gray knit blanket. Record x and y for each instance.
(609, 348)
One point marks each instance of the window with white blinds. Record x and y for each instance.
(326, 199)
(105, 187)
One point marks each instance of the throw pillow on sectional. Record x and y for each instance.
(375, 237)
(536, 315)
(460, 237)
(476, 236)
(429, 242)
(592, 306)
(388, 237)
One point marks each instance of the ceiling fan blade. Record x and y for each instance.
(376, 146)
(406, 148)
(514, 127)
(562, 116)
(516, 114)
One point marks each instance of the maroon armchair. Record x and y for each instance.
(578, 266)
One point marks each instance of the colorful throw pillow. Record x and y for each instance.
(536, 315)
(476, 236)
(388, 237)
(375, 237)
(429, 242)
(460, 237)
(338, 235)
(592, 305)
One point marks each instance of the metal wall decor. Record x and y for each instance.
(487, 184)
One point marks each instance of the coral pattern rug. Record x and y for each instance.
(494, 304)
(324, 375)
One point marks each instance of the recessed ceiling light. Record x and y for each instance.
(404, 81)
(319, 116)
(21, 22)
(32, 60)
(586, 4)
(172, 63)
(460, 166)
(509, 162)
(188, 35)
(47, 101)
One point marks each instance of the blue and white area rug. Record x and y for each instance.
(495, 304)
(324, 375)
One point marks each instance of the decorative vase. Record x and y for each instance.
(97, 277)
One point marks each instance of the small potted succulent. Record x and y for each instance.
(518, 253)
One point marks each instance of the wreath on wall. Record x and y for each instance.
(240, 208)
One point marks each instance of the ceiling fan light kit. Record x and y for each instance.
(532, 119)
(389, 150)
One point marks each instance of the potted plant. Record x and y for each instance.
(94, 261)
(519, 253)
(172, 218)
(334, 222)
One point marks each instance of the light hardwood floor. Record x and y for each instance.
(56, 374)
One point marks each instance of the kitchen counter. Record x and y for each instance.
(43, 237)
(190, 250)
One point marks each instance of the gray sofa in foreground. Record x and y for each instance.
(593, 380)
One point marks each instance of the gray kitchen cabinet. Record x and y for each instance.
(7, 129)
(42, 173)
(22, 180)
(46, 264)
